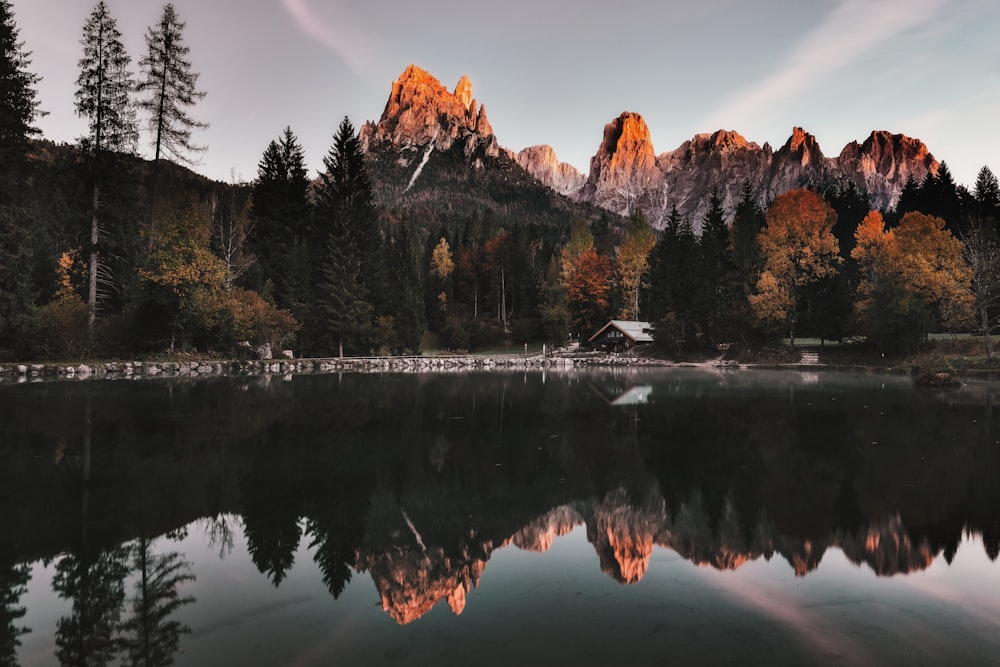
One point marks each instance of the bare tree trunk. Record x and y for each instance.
(92, 278)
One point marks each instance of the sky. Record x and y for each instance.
(556, 71)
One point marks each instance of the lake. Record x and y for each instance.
(623, 516)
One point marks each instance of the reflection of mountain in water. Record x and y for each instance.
(418, 480)
(412, 577)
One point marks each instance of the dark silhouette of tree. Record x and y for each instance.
(350, 278)
(744, 265)
(18, 111)
(405, 283)
(18, 103)
(13, 584)
(151, 636)
(95, 582)
(167, 87)
(104, 97)
(986, 194)
(674, 275)
(714, 258)
(282, 238)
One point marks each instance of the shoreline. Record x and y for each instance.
(17, 373)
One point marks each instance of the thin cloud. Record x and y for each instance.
(334, 30)
(850, 32)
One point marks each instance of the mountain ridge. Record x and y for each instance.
(422, 117)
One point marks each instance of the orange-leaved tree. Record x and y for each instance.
(799, 249)
(587, 289)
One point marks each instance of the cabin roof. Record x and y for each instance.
(638, 332)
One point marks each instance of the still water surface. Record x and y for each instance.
(644, 517)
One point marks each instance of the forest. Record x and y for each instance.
(106, 254)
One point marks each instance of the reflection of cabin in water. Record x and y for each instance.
(622, 336)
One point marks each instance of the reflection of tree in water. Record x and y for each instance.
(338, 525)
(95, 582)
(150, 636)
(271, 522)
(13, 584)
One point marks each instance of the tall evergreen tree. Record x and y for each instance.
(348, 268)
(18, 100)
(168, 86)
(18, 111)
(104, 97)
(986, 194)
(406, 303)
(714, 239)
(282, 236)
(745, 263)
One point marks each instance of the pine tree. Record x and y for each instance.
(18, 111)
(18, 103)
(168, 86)
(744, 263)
(348, 266)
(406, 303)
(986, 193)
(282, 236)
(714, 239)
(104, 97)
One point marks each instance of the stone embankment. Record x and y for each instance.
(128, 370)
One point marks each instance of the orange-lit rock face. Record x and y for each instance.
(420, 110)
(539, 534)
(625, 160)
(410, 583)
(622, 535)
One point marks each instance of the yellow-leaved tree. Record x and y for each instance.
(633, 263)
(912, 279)
(799, 249)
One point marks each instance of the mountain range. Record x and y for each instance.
(424, 123)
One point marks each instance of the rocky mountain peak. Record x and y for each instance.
(803, 146)
(625, 157)
(463, 91)
(421, 111)
(543, 165)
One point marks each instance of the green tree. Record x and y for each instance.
(406, 303)
(799, 249)
(104, 97)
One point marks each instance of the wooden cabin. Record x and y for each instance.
(621, 336)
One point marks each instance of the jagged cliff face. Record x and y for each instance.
(623, 164)
(421, 111)
(723, 161)
(541, 162)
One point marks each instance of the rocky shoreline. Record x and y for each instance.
(134, 370)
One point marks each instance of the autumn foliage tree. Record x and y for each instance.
(798, 248)
(633, 263)
(588, 290)
(911, 279)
